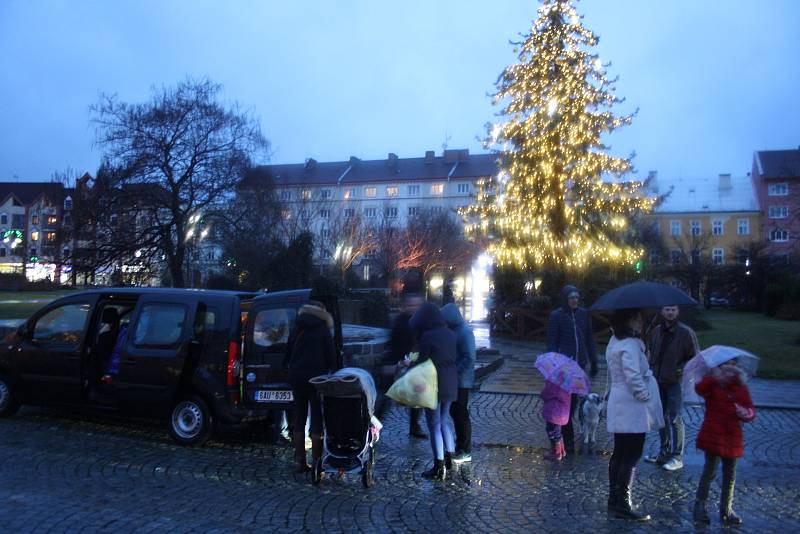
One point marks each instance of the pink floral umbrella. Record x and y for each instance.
(564, 372)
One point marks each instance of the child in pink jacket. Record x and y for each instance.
(555, 411)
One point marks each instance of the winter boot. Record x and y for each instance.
(437, 472)
(726, 514)
(699, 512)
(299, 444)
(448, 461)
(556, 452)
(625, 508)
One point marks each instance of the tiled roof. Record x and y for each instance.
(700, 195)
(455, 164)
(778, 163)
(28, 192)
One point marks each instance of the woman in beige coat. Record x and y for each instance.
(634, 408)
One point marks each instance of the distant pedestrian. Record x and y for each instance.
(465, 365)
(555, 411)
(402, 342)
(438, 344)
(728, 405)
(309, 352)
(670, 345)
(634, 408)
(569, 332)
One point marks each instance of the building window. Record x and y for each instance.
(4, 218)
(437, 189)
(392, 191)
(391, 212)
(436, 210)
(413, 211)
(325, 194)
(413, 190)
(365, 272)
(716, 227)
(743, 227)
(463, 189)
(696, 228)
(675, 256)
(655, 227)
(370, 213)
(49, 237)
(325, 254)
(349, 193)
(2, 252)
(349, 212)
(779, 236)
(33, 252)
(675, 228)
(779, 259)
(778, 212)
(718, 256)
(370, 192)
(286, 214)
(286, 196)
(778, 190)
(325, 214)
(52, 220)
(655, 257)
(325, 233)
(18, 221)
(35, 220)
(305, 194)
(68, 203)
(743, 257)
(695, 257)
(35, 236)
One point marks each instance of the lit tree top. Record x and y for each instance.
(559, 198)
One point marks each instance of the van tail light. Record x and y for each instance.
(234, 366)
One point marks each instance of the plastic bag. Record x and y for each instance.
(417, 388)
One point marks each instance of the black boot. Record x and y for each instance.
(613, 488)
(726, 514)
(699, 512)
(625, 508)
(448, 461)
(437, 472)
(299, 445)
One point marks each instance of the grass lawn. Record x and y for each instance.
(776, 342)
(21, 304)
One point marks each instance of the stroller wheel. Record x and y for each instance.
(316, 472)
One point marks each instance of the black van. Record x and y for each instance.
(196, 356)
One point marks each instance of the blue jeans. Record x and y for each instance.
(440, 431)
(672, 435)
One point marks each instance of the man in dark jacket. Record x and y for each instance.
(310, 352)
(465, 365)
(569, 332)
(438, 344)
(670, 345)
(402, 342)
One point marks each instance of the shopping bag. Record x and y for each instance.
(417, 388)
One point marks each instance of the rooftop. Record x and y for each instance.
(778, 163)
(452, 164)
(723, 193)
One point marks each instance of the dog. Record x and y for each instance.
(589, 417)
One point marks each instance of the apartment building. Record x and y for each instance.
(776, 180)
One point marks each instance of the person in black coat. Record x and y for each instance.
(402, 342)
(438, 344)
(310, 352)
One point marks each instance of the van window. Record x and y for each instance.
(63, 325)
(205, 323)
(272, 326)
(159, 325)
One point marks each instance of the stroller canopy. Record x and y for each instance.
(349, 382)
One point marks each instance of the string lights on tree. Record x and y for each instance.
(559, 200)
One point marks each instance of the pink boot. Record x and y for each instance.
(556, 452)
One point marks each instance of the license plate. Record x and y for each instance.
(274, 395)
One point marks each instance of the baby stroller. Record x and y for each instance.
(350, 426)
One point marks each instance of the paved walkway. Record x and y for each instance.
(520, 377)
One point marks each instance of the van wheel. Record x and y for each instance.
(191, 421)
(8, 402)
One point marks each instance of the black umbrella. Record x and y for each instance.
(643, 295)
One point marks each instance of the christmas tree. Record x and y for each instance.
(559, 200)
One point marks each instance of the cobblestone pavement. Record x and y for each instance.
(65, 472)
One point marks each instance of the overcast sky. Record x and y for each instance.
(714, 80)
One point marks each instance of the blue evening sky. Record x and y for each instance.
(714, 80)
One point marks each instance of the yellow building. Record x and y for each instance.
(713, 221)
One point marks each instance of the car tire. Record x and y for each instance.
(8, 401)
(190, 422)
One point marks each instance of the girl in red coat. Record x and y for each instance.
(728, 404)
